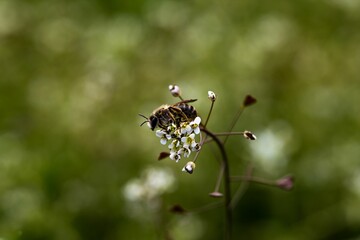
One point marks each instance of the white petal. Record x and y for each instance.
(183, 130)
(197, 120)
(163, 141)
(181, 151)
(159, 133)
(197, 130)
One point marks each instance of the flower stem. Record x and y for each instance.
(239, 193)
(254, 180)
(227, 192)
(229, 133)
(236, 118)
(210, 111)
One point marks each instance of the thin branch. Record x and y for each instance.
(236, 118)
(228, 133)
(243, 186)
(228, 218)
(209, 114)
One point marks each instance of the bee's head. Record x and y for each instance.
(152, 121)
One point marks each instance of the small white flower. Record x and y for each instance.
(188, 140)
(186, 152)
(175, 156)
(211, 96)
(189, 167)
(174, 145)
(185, 129)
(163, 136)
(195, 125)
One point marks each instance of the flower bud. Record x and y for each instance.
(211, 96)
(286, 183)
(249, 100)
(216, 194)
(175, 90)
(189, 167)
(249, 135)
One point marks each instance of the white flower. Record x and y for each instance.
(163, 136)
(188, 140)
(195, 125)
(186, 128)
(184, 151)
(174, 156)
(189, 167)
(174, 145)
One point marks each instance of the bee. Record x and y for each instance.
(166, 115)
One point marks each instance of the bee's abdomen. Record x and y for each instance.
(188, 110)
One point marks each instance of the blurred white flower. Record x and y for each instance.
(154, 182)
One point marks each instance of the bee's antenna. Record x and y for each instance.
(147, 120)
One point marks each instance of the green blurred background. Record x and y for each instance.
(74, 163)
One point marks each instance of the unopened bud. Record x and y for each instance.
(286, 183)
(189, 167)
(211, 96)
(175, 90)
(249, 135)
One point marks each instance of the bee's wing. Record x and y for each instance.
(186, 101)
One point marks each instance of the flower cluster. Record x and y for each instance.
(181, 140)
